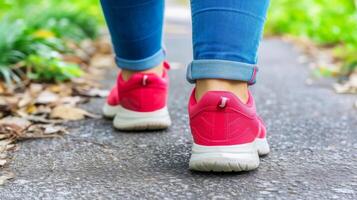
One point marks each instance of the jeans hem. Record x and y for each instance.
(142, 64)
(221, 69)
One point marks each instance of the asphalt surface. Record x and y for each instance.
(312, 132)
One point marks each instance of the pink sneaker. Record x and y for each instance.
(228, 135)
(139, 103)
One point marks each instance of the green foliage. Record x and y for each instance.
(23, 44)
(13, 47)
(21, 8)
(326, 22)
(36, 32)
(51, 69)
(69, 24)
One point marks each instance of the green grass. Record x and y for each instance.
(68, 24)
(18, 7)
(35, 36)
(328, 23)
(50, 69)
(14, 47)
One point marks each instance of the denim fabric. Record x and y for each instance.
(226, 30)
(221, 69)
(226, 36)
(136, 30)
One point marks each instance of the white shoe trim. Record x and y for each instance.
(132, 120)
(110, 111)
(242, 157)
(262, 146)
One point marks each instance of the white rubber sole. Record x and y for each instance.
(234, 158)
(110, 111)
(131, 120)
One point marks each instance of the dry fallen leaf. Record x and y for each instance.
(5, 106)
(10, 146)
(42, 109)
(42, 119)
(2, 162)
(345, 88)
(88, 46)
(102, 61)
(2, 88)
(12, 100)
(94, 74)
(72, 100)
(47, 97)
(104, 46)
(67, 112)
(6, 144)
(4, 136)
(79, 81)
(35, 88)
(63, 89)
(20, 123)
(82, 54)
(6, 176)
(31, 109)
(50, 129)
(72, 59)
(3, 101)
(25, 100)
(3, 155)
(43, 131)
(92, 92)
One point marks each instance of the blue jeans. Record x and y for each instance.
(226, 36)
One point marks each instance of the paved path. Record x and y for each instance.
(312, 132)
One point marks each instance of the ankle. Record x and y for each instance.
(126, 74)
(239, 88)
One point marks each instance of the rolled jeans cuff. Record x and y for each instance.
(221, 69)
(142, 64)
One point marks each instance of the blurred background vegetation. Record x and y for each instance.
(33, 34)
(327, 23)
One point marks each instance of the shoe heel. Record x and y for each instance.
(232, 158)
(131, 120)
(262, 146)
(109, 111)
